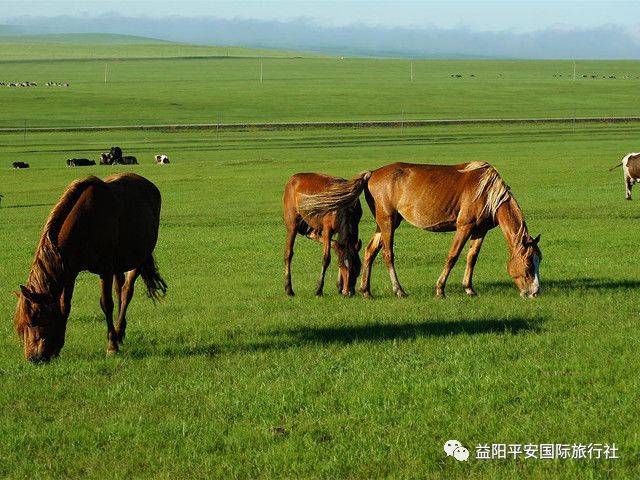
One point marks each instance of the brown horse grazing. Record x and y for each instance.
(106, 227)
(318, 206)
(469, 199)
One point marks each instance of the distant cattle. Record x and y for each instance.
(80, 162)
(115, 157)
(20, 165)
(162, 160)
(115, 153)
(126, 160)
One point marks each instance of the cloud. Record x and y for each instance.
(561, 41)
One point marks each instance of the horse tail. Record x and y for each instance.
(337, 196)
(156, 286)
(613, 168)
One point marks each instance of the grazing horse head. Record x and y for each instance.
(524, 266)
(348, 246)
(40, 323)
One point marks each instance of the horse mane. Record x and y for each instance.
(338, 196)
(47, 268)
(490, 183)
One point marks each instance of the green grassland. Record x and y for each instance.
(224, 86)
(229, 378)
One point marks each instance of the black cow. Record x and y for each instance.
(20, 165)
(126, 160)
(80, 162)
(115, 154)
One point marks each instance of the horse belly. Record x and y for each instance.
(429, 218)
(428, 222)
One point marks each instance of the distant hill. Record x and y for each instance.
(69, 46)
(10, 30)
(75, 38)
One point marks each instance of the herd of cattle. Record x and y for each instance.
(112, 157)
(32, 84)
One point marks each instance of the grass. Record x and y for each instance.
(217, 84)
(229, 378)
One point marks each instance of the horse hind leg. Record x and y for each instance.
(126, 294)
(629, 185)
(387, 229)
(106, 302)
(370, 254)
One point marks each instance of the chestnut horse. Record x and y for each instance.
(318, 206)
(106, 227)
(469, 198)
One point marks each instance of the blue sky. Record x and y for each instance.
(515, 15)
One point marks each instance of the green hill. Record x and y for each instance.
(75, 38)
(108, 46)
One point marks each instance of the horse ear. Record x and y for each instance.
(536, 240)
(15, 294)
(358, 245)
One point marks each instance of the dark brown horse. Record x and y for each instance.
(107, 227)
(319, 206)
(469, 199)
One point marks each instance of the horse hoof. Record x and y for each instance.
(111, 352)
(440, 294)
(318, 294)
(401, 294)
(471, 292)
(366, 294)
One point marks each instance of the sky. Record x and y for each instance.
(417, 29)
(514, 15)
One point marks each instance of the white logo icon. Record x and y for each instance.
(454, 448)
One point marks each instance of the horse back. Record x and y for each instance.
(302, 184)
(427, 196)
(113, 226)
(139, 215)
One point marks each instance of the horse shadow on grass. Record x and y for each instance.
(585, 283)
(297, 337)
(377, 332)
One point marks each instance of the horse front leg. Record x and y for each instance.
(106, 302)
(462, 235)
(65, 308)
(326, 259)
(126, 295)
(472, 257)
(67, 295)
